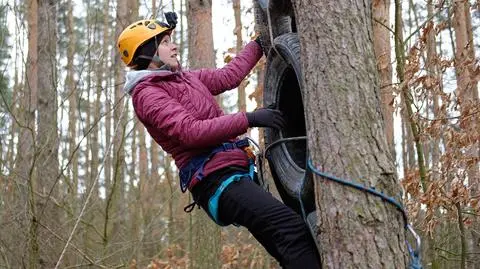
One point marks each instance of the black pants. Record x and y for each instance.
(278, 228)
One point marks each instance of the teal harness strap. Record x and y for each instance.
(214, 200)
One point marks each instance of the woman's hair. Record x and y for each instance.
(147, 49)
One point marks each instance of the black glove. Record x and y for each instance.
(266, 117)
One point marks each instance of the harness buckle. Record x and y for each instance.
(250, 153)
(229, 146)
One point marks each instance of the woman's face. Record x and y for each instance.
(167, 51)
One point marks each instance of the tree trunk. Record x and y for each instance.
(241, 102)
(171, 220)
(154, 8)
(47, 134)
(346, 137)
(72, 110)
(467, 98)
(181, 42)
(433, 70)
(143, 183)
(24, 166)
(115, 193)
(71, 179)
(200, 36)
(381, 41)
(107, 166)
(466, 83)
(201, 55)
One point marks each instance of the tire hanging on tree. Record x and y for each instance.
(284, 89)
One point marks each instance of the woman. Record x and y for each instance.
(179, 111)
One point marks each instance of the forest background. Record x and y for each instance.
(82, 184)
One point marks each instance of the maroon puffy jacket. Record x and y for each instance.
(180, 112)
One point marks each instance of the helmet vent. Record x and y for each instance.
(125, 53)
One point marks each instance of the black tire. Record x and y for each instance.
(281, 21)
(284, 89)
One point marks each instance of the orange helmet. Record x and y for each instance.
(137, 34)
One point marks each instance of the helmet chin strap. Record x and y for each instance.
(155, 59)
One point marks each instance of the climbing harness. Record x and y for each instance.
(197, 163)
(215, 198)
(415, 259)
(196, 166)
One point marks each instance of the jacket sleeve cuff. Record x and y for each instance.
(245, 120)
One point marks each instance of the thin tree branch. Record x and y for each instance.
(90, 260)
(423, 24)
(77, 148)
(69, 212)
(382, 24)
(88, 197)
(449, 118)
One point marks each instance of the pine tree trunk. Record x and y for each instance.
(241, 102)
(381, 41)
(467, 98)
(106, 142)
(71, 188)
(72, 110)
(154, 8)
(47, 134)
(466, 83)
(24, 164)
(433, 69)
(115, 193)
(181, 42)
(171, 189)
(200, 36)
(143, 184)
(346, 137)
(201, 55)
(107, 166)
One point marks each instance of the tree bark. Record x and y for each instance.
(346, 137)
(115, 193)
(382, 46)
(466, 82)
(72, 109)
(433, 71)
(200, 36)
(467, 98)
(201, 55)
(241, 102)
(47, 133)
(24, 165)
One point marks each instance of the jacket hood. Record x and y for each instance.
(134, 77)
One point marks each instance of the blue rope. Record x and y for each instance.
(304, 214)
(415, 260)
(362, 188)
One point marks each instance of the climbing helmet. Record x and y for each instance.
(138, 33)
